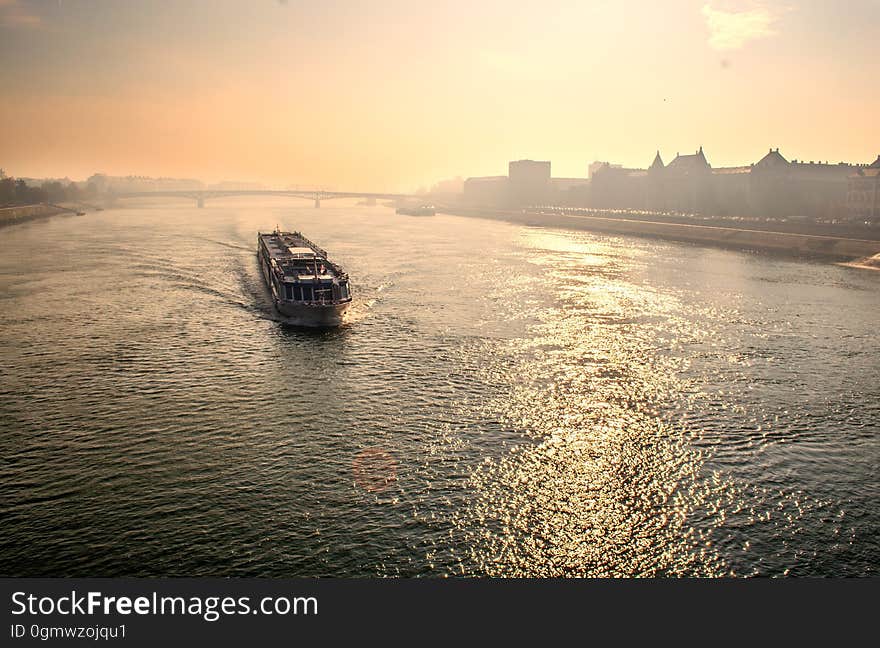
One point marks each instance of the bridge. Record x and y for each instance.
(200, 196)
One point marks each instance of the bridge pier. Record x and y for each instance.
(317, 203)
(200, 202)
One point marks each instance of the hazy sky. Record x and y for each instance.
(392, 95)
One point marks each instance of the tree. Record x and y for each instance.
(25, 195)
(7, 191)
(21, 191)
(54, 190)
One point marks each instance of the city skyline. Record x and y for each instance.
(587, 171)
(219, 91)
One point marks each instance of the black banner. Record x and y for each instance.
(258, 612)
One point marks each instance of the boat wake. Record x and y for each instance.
(234, 246)
(362, 308)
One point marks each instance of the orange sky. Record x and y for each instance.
(394, 95)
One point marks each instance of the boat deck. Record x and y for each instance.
(299, 258)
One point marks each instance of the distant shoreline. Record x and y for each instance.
(837, 248)
(26, 213)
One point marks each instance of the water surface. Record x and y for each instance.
(505, 400)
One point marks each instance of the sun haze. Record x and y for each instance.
(390, 96)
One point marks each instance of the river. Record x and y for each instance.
(505, 400)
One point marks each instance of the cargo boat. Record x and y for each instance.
(307, 288)
(421, 210)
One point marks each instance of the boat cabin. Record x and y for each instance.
(301, 271)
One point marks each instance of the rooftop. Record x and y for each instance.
(772, 159)
(688, 163)
(483, 178)
(657, 163)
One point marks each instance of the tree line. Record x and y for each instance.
(18, 192)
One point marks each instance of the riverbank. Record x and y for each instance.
(24, 213)
(831, 247)
(868, 263)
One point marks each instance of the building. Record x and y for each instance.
(616, 187)
(730, 190)
(119, 184)
(769, 189)
(595, 166)
(529, 183)
(570, 192)
(236, 185)
(683, 185)
(772, 187)
(863, 194)
(687, 184)
(655, 190)
(818, 190)
(486, 191)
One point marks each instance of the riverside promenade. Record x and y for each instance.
(831, 247)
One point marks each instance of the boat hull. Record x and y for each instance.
(302, 314)
(312, 315)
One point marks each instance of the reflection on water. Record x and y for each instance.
(611, 488)
(502, 401)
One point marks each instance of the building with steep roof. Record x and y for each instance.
(772, 187)
(689, 164)
(769, 187)
(863, 193)
(773, 161)
(655, 189)
(687, 181)
(682, 185)
(782, 189)
(657, 165)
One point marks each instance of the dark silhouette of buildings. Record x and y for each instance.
(863, 193)
(772, 187)
(486, 191)
(529, 182)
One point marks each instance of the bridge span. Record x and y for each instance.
(200, 196)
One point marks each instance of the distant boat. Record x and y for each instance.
(421, 210)
(306, 287)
